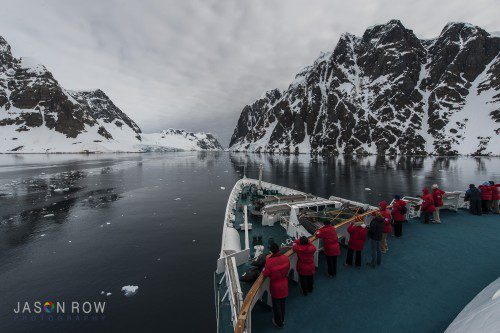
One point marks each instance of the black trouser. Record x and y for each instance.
(475, 206)
(426, 216)
(279, 310)
(306, 283)
(485, 205)
(350, 255)
(398, 228)
(331, 262)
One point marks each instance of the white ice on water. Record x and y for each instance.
(130, 290)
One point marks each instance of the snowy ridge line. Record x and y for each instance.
(386, 93)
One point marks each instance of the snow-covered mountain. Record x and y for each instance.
(37, 115)
(180, 140)
(386, 92)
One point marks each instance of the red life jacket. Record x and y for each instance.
(387, 217)
(331, 245)
(396, 213)
(357, 237)
(437, 195)
(486, 192)
(305, 257)
(495, 192)
(428, 202)
(277, 268)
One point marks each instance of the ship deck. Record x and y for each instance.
(425, 280)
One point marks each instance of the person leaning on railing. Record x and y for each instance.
(331, 247)
(495, 197)
(276, 269)
(437, 195)
(305, 263)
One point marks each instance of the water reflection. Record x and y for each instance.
(369, 178)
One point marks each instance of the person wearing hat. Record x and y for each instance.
(375, 232)
(305, 263)
(495, 197)
(331, 247)
(276, 269)
(398, 213)
(427, 207)
(437, 195)
(486, 193)
(473, 195)
(357, 236)
(386, 215)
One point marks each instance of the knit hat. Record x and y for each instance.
(397, 197)
(486, 184)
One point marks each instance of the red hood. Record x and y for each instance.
(383, 205)
(425, 190)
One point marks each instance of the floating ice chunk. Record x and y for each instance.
(158, 259)
(222, 188)
(177, 199)
(66, 189)
(130, 290)
(108, 223)
(108, 294)
(194, 240)
(42, 235)
(102, 292)
(49, 215)
(367, 189)
(69, 241)
(58, 190)
(226, 171)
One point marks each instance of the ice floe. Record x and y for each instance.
(130, 290)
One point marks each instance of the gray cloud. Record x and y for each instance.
(195, 64)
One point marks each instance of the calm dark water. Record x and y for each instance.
(155, 221)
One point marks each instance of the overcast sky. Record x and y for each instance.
(196, 64)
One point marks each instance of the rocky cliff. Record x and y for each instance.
(387, 92)
(37, 115)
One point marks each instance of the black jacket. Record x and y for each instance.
(376, 228)
(473, 194)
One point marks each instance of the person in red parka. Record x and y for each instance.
(486, 196)
(305, 263)
(437, 195)
(427, 207)
(398, 215)
(495, 197)
(386, 215)
(357, 232)
(276, 269)
(331, 247)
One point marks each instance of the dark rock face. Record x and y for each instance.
(384, 93)
(30, 97)
(103, 108)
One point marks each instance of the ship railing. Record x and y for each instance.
(233, 289)
(261, 285)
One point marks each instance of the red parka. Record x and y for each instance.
(428, 202)
(396, 213)
(486, 192)
(357, 237)
(437, 195)
(305, 257)
(276, 269)
(331, 245)
(495, 192)
(387, 217)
